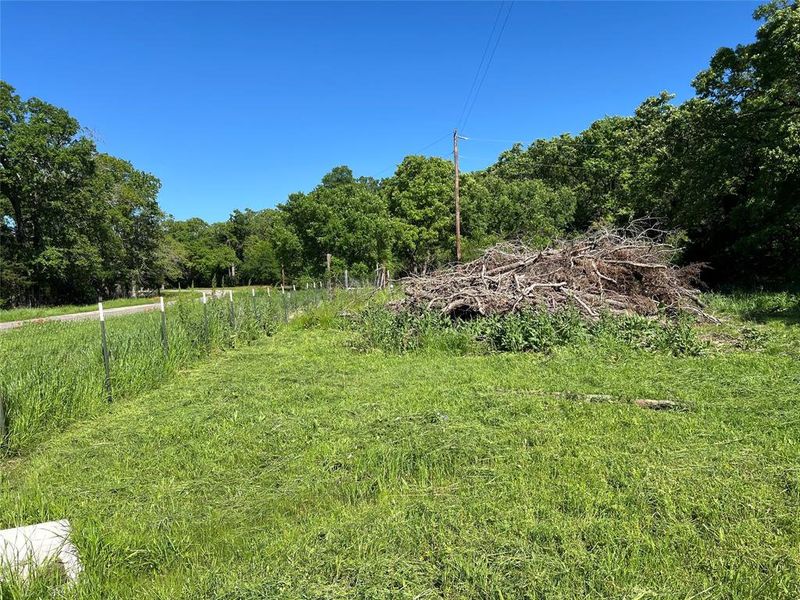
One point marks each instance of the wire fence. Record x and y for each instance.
(54, 374)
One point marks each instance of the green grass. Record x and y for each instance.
(299, 467)
(761, 307)
(52, 373)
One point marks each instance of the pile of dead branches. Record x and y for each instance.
(619, 271)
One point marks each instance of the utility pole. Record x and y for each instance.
(458, 201)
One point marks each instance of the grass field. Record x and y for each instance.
(302, 467)
(52, 373)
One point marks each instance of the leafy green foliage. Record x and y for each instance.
(345, 217)
(530, 331)
(420, 197)
(74, 224)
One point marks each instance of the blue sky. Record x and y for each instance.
(236, 105)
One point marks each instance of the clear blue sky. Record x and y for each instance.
(236, 105)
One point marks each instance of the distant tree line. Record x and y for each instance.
(722, 169)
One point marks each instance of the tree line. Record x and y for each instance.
(722, 169)
(74, 223)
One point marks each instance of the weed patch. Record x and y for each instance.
(528, 331)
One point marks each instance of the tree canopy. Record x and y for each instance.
(74, 223)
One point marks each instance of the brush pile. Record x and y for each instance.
(627, 270)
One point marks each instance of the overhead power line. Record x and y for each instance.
(480, 67)
(463, 124)
(420, 151)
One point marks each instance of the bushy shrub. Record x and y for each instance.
(406, 331)
(674, 335)
(536, 331)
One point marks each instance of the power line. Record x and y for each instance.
(554, 140)
(420, 151)
(488, 65)
(480, 66)
(474, 139)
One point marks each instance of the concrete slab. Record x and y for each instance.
(23, 549)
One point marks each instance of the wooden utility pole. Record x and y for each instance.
(458, 201)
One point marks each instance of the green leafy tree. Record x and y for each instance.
(420, 198)
(529, 210)
(738, 144)
(343, 216)
(260, 263)
(45, 163)
(123, 208)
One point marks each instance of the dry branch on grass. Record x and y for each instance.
(619, 271)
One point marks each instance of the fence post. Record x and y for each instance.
(106, 360)
(328, 272)
(164, 340)
(232, 315)
(256, 314)
(346, 280)
(3, 429)
(285, 309)
(205, 320)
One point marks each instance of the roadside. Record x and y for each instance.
(41, 312)
(77, 316)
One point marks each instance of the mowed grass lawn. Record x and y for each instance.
(301, 468)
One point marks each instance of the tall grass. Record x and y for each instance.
(529, 331)
(758, 306)
(51, 374)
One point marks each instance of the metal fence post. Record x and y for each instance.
(3, 429)
(164, 340)
(106, 358)
(205, 320)
(285, 309)
(232, 315)
(328, 273)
